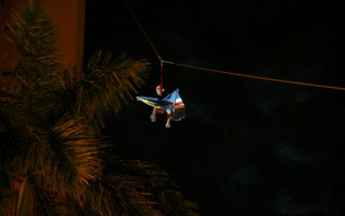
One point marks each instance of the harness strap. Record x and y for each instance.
(162, 74)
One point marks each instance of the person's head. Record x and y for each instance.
(159, 90)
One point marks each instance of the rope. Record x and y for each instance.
(257, 77)
(162, 74)
(147, 38)
(142, 29)
(223, 72)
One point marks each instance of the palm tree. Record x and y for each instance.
(52, 158)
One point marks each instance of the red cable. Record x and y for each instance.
(162, 74)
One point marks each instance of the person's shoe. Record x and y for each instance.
(153, 118)
(168, 125)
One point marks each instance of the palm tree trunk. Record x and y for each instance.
(24, 200)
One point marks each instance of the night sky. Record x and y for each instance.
(247, 146)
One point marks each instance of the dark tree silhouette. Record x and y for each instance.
(52, 158)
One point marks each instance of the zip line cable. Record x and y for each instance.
(256, 77)
(224, 72)
(148, 39)
(142, 29)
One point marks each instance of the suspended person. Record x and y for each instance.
(172, 105)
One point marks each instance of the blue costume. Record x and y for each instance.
(171, 104)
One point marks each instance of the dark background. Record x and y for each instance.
(247, 146)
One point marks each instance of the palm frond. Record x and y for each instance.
(49, 202)
(106, 85)
(120, 195)
(164, 190)
(34, 38)
(7, 199)
(77, 153)
(39, 63)
(64, 159)
(7, 193)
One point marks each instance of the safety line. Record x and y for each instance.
(143, 31)
(162, 74)
(223, 72)
(257, 77)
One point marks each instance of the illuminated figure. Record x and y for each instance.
(171, 104)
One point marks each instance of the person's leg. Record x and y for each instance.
(169, 115)
(153, 116)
